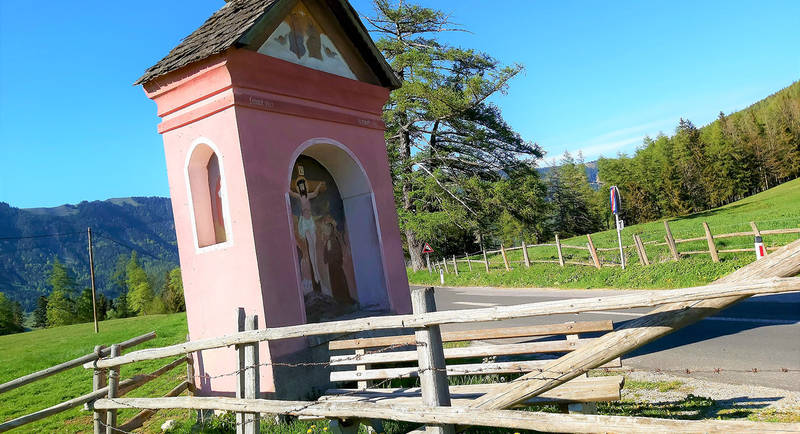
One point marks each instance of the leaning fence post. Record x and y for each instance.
(113, 386)
(671, 242)
(485, 260)
(432, 366)
(712, 248)
(560, 255)
(640, 248)
(593, 252)
(756, 232)
(240, 320)
(251, 380)
(525, 254)
(469, 261)
(444, 261)
(455, 265)
(190, 379)
(505, 258)
(98, 382)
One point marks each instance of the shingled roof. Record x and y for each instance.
(227, 27)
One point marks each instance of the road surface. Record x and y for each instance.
(761, 332)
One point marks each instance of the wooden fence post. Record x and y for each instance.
(485, 260)
(113, 386)
(712, 248)
(525, 254)
(593, 252)
(756, 232)
(98, 382)
(640, 248)
(455, 265)
(444, 261)
(190, 375)
(251, 378)
(560, 255)
(469, 261)
(505, 257)
(240, 321)
(432, 366)
(671, 242)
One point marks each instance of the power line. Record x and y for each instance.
(39, 236)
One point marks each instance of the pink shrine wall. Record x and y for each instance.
(258, 114)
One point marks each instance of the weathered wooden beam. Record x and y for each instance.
(590, 389)
(505, 257)
(124, 387)
(559, 346)
(712, 248)
(140, 418)
(593, 252)
(514, 419)
(44, 373)
(452, 370)
(432, 375)
(560, 254)
(485, 260)
(496, 313)
(673, 248)
(631, 335)
(113, 391)
(252, 386)
(525, 254)
(480, 334)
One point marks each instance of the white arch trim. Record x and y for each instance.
(225, 203)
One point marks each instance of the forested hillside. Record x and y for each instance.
(31, 239)
(700, 168)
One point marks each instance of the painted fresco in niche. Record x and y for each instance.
(299, 39)
(323, 248)
(215, 188)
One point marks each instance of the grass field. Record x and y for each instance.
(23, 353)
(777, 208)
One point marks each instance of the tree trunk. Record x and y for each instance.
(414, 245)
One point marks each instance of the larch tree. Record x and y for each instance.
(441, 129)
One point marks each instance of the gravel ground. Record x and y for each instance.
(725, 395)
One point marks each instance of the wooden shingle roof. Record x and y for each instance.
(228, 27)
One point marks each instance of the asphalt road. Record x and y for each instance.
(761, 332)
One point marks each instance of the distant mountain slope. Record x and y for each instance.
(119, 225)
(591, 172)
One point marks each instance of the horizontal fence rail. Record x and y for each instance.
(512, 419)
(648, 299)
(44, 373)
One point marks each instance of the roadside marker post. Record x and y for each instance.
(760, 250)
(615, 207)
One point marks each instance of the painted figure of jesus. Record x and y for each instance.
(306, 226)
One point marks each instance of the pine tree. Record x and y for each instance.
(140, 292)
(40, 313)
(440, 130)
(173, 291)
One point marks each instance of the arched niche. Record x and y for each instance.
(207, 193)
(360, 220)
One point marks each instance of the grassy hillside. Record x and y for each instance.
(776, 208)
(23, 353)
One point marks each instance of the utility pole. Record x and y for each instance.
(91, 273)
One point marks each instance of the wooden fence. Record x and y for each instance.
(678, 308)
(595, 254)
(772, 275)
(99, 388)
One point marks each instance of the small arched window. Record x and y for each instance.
(207, 196)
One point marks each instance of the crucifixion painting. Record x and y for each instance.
(326, 264)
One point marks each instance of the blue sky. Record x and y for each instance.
(599, 76)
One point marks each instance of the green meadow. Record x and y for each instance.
(777, 208)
